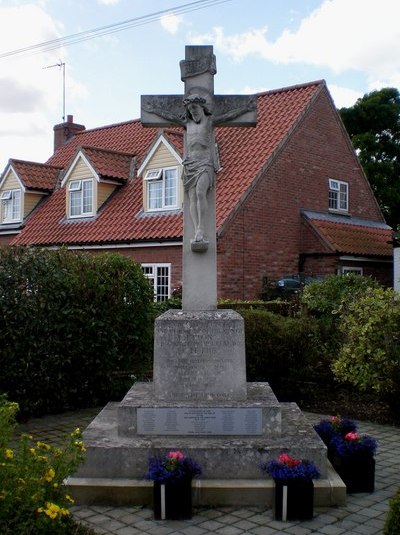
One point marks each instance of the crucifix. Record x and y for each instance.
(198, 111)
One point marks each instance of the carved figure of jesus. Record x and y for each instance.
(200, 161)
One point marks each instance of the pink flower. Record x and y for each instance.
(335, 420)
(352, 436)
(286, 459)
(176, 455)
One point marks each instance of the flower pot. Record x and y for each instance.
(294, 500)
(173, 500)
(357, 471)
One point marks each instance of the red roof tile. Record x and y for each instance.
(109, 164)
(37, 176)
(122, 217)
(354, 236)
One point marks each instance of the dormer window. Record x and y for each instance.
(11, 206)
(162, 189)
(80, 198)
(338, 195)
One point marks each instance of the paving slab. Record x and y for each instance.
(363, 514)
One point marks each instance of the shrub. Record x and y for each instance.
(370, 355)
(392, 523)
(327, 301)
(68, 321)
(330, 297)
(279, 347)
(33, 497)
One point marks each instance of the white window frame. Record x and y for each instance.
(75, 186)
(345, 270)
(154, 272)
(159, 176)
(339, 203)
(12, 198)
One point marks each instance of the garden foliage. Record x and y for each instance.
(370, 355)
(392, 523)
(279, 347)
(70, 322)
(33, 497)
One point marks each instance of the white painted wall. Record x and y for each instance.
(396, 267)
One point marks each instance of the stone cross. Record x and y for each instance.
(199, 111)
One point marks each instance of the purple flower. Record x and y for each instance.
(332, 426)
(287, 468)
(353, 443)
(172, 467)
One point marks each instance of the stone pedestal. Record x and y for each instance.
(199, 356)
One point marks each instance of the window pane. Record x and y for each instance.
(87, 206)
(158, 277)
(343, 196)
(155, 195)
(162, 283)
(333, 200)
(16, 210)
(170, 187)
(75, 202)
(7, 207)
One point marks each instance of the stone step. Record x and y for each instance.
(330, 491)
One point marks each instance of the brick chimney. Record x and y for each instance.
(65, 131)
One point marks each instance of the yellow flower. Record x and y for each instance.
(69, 499)
(80, 445)
(52, 510)
(49, 475)
(43, 446)
(32, 450)
(9, 454)
(64, 512)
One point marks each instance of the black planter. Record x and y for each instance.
(294, 500)
(174, 501)
(357, 471)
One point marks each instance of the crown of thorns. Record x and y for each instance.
(194, 99)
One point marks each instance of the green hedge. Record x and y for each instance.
(68, 323)
(280, 350)
(392, 524)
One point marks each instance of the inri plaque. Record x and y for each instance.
(199, 421)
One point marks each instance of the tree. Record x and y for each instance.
(373, 124)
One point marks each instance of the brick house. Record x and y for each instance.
(291, 197)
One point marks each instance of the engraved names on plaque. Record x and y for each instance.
(199, 421)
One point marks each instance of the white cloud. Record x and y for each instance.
(341, 35)
(30, 93)
(171, 22)
(108, 2)
(343, 97)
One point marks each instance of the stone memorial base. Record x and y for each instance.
(199, 402)
(115, 466)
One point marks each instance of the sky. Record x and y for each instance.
(354, 45)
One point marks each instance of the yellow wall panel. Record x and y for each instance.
(30, 201)
(103, 192)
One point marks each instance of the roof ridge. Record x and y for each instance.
(291, 87)
(344, 219)
(113, 125)
(108, 151)
(29, 162)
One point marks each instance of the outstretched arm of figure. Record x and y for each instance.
(251, 105)
(165, 114)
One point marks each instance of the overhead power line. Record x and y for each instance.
(110, 28)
